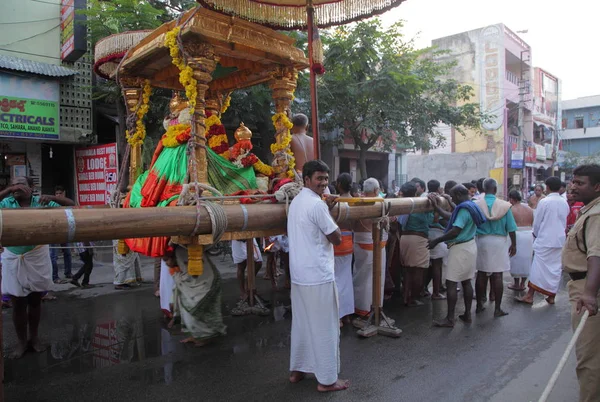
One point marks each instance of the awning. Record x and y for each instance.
(34, 67)
(539, 165)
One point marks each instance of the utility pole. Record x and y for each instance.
(523, 90)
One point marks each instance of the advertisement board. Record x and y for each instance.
(29, 107)
(97, 174)
(516, 160)
(73, 36)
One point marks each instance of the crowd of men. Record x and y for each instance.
(472, 237)
(477, 239)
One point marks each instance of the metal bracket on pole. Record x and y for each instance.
(374, 324)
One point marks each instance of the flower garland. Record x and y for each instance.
(263, 168)
(216, 135)
(176, 135)
(226, 104)
(241, 156)
(138, 135)
(186, 73)
(284, 145)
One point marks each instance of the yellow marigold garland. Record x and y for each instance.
(226, 104)
(285, 142)
(170, 140)
(139, 134)
(186, 73)
(263, 168)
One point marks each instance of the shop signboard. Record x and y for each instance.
(97, 174)
(516, 160)
(29, 107)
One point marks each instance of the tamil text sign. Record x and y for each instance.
(96, 174)
(29, 107)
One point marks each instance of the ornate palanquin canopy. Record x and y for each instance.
(110, 50)
(291, 14)
(247, 53)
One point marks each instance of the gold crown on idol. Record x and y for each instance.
(177, 104)
(242, 133)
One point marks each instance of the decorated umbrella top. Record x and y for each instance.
(291, 14)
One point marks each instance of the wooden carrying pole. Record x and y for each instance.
(21, 227)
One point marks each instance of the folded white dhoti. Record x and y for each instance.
(492, 253)
(23, 274)
(239, 251)
(520, 264)
(441, 250)
(546, 270)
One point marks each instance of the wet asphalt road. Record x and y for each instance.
(116, 347)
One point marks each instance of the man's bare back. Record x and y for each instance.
(523, 215)
(302, 147)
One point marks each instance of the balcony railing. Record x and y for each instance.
(512, 77)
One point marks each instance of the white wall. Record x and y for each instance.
(33, 32)
(460, 167)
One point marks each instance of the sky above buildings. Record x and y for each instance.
(561, 34)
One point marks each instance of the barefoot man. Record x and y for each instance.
(440, 252)
(363, 257)
(581, 260)
(549, 225)
(312, 232)
(27, 270)
(302, 144)
(520, 263)
(493, 248)
(462, 250)
(196, 298)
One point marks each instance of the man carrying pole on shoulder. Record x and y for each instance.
(27, 270)
(462, 250)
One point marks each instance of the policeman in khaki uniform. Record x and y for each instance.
(581, 260)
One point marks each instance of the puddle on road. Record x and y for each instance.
(130, 330)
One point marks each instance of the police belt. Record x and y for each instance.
(576, 276)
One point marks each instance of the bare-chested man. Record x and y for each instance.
(302, 144)
(538, 194)
(521, 262)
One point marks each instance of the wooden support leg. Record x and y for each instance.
(255, 304)
(374, 324)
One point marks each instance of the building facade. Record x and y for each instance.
(580, 122)
(519, 102)
(45, 92)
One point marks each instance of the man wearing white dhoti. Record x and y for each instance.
(363, 257)
(493, 247)
(312, 233)
(27, 270)
(343, 257)
(520, 263)
(549, 226)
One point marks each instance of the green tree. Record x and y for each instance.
(379, 88)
